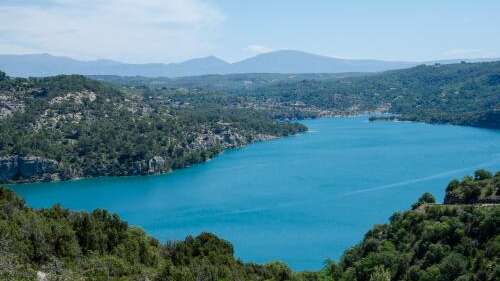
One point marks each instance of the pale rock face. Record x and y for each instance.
(41, 276)
(8, 167)
(32, 166)
(25, 167)
(156, 164)
(75, 97)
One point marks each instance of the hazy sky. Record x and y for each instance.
(175, 30)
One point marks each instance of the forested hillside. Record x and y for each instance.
(461, 94)
(70, 126)
(430, 242)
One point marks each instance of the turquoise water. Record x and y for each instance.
(300, 199)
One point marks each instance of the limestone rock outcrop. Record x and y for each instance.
(27, 167)
(155, 165)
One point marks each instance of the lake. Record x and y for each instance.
(300, 199)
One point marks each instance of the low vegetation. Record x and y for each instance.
(484, 187)
(430, 242)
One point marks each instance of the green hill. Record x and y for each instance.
(70, 126)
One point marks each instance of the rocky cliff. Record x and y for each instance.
(27, 168)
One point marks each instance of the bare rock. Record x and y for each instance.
(9, 167)
(35, 166)
(41, 276)
(28, 167)
(157, 164)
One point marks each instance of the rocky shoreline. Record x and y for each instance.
(15, 169)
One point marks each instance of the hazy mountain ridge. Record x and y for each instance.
(300, 62)
(285, 61)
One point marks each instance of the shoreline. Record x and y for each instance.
(265, 138)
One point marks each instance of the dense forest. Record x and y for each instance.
(462, 94)
(429, 242)
(70, 126)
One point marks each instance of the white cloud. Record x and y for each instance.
(146, 30)
(258, 49)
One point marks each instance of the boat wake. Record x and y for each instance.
(294, 204)
(423, 179)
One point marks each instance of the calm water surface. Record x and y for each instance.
(300, 199)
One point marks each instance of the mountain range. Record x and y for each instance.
(284, 61)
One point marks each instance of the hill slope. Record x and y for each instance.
(461, 94)
(70, 126)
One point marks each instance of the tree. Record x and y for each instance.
(332, 269)
(452, 266)
(452, 185)
(426, 198)
(472, 193)
(380, 274)
(482, 175)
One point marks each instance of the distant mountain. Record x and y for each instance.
(48, 65)
(299, 62)
(285, 61)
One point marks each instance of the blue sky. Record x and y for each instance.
(175, 30)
